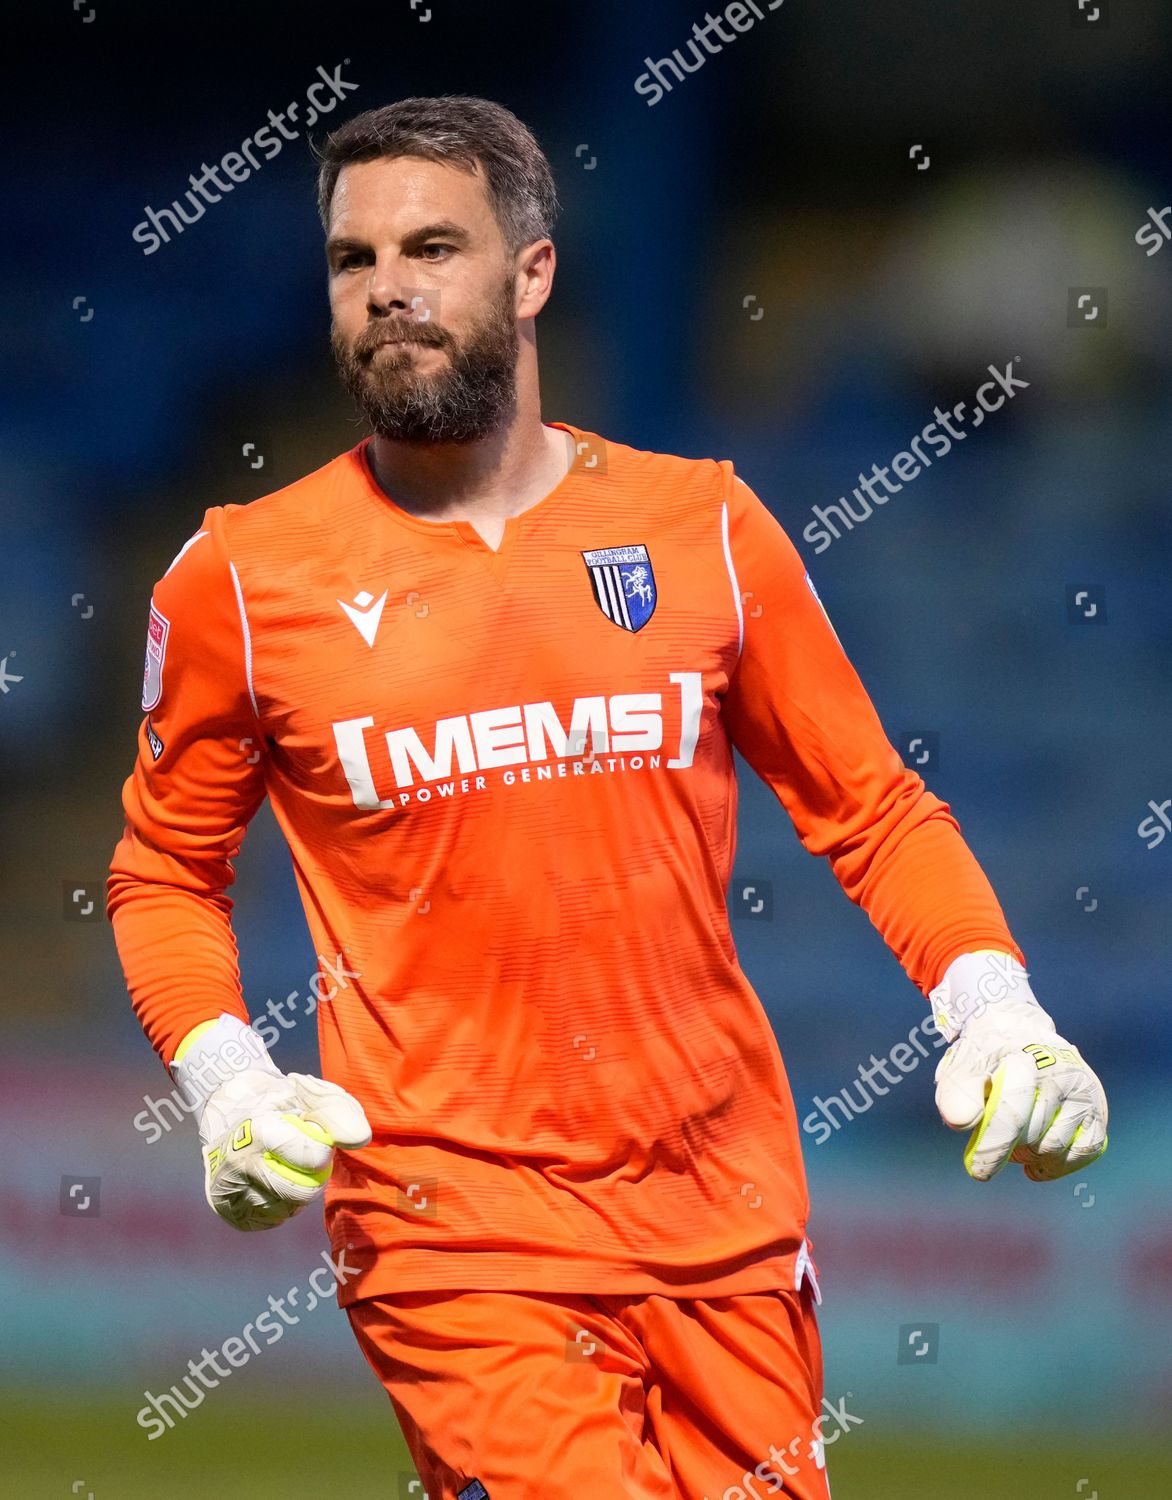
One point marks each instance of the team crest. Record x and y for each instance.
(623, 584)
(158, 628)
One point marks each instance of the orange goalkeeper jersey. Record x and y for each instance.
(506, 779)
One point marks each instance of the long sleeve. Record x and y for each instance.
(197, 781)
(799, 715)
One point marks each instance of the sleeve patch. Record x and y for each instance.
(158, 628)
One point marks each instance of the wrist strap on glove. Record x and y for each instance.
(215, 1052)
(981, 982)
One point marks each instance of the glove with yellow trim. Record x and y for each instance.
(268, 1137)
(1009, 1078)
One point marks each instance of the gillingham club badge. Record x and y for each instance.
(623, 584)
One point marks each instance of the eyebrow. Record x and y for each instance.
(442, 229)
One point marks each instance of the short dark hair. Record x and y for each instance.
(469, 133)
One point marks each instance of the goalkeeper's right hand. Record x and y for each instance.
(268, 1137)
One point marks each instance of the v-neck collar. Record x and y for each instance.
(496, 559)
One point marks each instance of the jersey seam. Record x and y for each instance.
(732, 575)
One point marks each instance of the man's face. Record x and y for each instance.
(443, 371)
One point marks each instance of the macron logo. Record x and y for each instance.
(366, 612)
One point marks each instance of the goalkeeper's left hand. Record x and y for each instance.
(1023, 1091)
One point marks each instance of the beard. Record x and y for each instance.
(464, 401)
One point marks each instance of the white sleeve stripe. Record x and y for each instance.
(247, 635)
(732, 575)
(190, 542)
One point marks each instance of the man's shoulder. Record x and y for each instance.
(305, 503)
(627, 464)
(665, 485)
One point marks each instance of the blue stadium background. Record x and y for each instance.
(755, 267)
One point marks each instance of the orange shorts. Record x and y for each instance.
(529, 1396)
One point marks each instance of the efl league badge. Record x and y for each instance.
(158, 627)
(623, 584)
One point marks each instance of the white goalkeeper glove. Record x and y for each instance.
(268, 1137)
(1023, 1091)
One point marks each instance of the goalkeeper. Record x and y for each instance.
(489, 672)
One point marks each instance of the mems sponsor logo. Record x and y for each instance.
(523, 742)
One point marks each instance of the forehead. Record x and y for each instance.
(398, 192)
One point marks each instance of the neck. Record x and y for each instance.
(499, 475)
